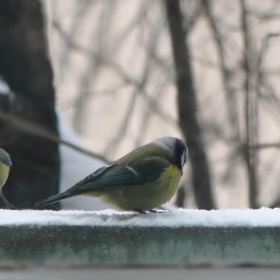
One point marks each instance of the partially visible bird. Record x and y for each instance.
(5, 164)
(142, 180)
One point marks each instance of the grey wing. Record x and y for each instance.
(92, 177)
(140, 171)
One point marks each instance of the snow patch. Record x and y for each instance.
(264, 217)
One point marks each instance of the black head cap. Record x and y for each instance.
(176, 148)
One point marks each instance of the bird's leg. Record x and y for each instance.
(7, 203)
(154, 211)
(141, 211)
(164, 209)
(160, 209)
(157, 210)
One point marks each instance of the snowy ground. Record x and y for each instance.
(181, 217)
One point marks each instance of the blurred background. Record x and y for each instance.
(107, 76)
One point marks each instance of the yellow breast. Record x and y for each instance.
(170, 180)
(144, 196)
(4, 172)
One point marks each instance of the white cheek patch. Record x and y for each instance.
(183, 158)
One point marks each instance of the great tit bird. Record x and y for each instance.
(5, 164)
(140, 181)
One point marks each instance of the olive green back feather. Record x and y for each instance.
(125, 171)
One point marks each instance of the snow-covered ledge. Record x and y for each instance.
(111, 237)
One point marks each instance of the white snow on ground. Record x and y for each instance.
(181, 217)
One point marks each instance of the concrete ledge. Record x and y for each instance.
(139, 246)
(124, 239)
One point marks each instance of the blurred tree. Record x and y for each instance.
(117, 87)
(25, 66)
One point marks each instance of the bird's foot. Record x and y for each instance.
(142, 211)
(8, 205)
(160, 209)
(11, 207)
(163, 208)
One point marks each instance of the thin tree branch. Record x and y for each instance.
(36, 130)
(250, 110)
(275, 145)
(225, 71)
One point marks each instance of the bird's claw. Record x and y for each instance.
(8, 205)
(160, 209)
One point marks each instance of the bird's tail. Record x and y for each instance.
(52, 199)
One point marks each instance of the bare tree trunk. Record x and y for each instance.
(187, 108)
(250, 155)
(25, 66)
